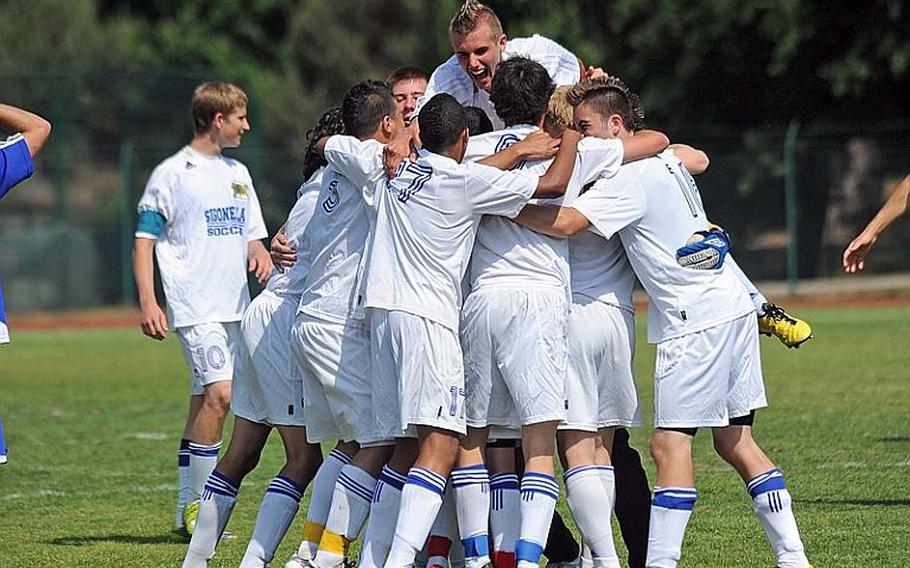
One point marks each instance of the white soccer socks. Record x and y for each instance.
(504, 511)
(320, 502)
(383, 516)
(471, 486)
(350, 506)
(421, 499)
(670, 512)
(279, 505)
(771, 503)
(215, 507)
(183, 481)
(539, 493)
(445, 529)
(203, 459)
(592, 509)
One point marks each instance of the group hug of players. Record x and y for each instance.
(448, 292)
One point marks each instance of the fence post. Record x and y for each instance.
(790, 205)
(127, 285)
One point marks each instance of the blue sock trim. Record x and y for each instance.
(391, 477)
(340, 456)
(352, 485)
(677, 498)
(471, 475)
(580, 469)
(427, 479)
(538, 484)
(221, 484)
(285, 486)
(476, 546)
(771, 480)
(528, 551)
(204, 451)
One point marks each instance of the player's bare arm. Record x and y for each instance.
(643, 144)
(152, 319)
(854, 259)
(553, 183)
(554, 221)
(536, 146)
(283, 255)
(260, 262)
(33, 128)
(401, 147)
(694, 160)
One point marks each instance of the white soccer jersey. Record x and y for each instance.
(289, 282)
(600, 270)
(654, 206)
(508, 254)
(450, 78)
(211, 214)
(335, 238)
(427, 219)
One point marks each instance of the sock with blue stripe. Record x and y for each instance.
(350, 507)
(278, 508)
(317, 512)
(772, 505)
(421, 499)
(670, 512)
(203, 458)
(591, 508)
(183, 481)
(444, 531)
(215, 507)
(471, 486)
(383, 516)
(504, 510)
(539, 492)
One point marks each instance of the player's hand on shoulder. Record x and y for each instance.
(283, 255)
(595, 72)
(153, 322)
(538, 146)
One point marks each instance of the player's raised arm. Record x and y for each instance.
(33, 128)
(553, 183)
(854, 259)
(694, 160)
(536, 146)
(153, 321)
(644, 144)
(553, 221)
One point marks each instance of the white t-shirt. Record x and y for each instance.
(508, 254)
(336, 237)
(600, 270)
(427, 219)
(654, 206)
(211, 214)
(450, 78)
(289, 281)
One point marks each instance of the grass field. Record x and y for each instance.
(93, 419)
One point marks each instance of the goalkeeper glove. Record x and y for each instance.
(706, 250)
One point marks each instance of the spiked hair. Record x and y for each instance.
(610, 95)
(470, 15)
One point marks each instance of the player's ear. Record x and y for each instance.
(218, 120)
(615, 124)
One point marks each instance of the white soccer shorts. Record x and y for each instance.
(418, 375)
(267, 388)
(705, 378)
(600, 386)
(515, 344)
(210, 350)
(335, 364)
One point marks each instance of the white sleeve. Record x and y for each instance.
(560, 63)
(597, 157)
(612, 204)
(359, 161)
(158, 194)
(448, 78)
(255, 228)
(492, 191)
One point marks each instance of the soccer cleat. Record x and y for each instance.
(565, 563)
(3, 459)
(189, 516)
(791, 331)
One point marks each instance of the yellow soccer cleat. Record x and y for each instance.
(189, 516)
(791, 331)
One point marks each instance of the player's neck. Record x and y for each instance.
(206, 144)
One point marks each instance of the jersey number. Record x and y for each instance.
(213, 357)
(419, 175)
(687, 186)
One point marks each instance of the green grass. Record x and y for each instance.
(93, 419)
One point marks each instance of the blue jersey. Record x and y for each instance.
(15, 163)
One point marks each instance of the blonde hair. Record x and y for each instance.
(213, 97)
(559, 115)
(470, 15)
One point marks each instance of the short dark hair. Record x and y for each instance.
(329, 124)
(406, 74)
(521, 90)
(608, 96)
(478, 121)
(364, 107)
(442, 120)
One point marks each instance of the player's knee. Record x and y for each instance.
(218, 397)
(733, 446)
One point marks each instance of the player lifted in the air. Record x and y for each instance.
(200, 215)
(708, 369)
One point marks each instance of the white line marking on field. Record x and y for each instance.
(33, 494)
(146, 436)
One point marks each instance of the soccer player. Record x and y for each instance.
(427, 219)
(16, 165)
(855, 254)
(708, 369)
(200, 215)
(408, 84)
(514, 327)
(266, 393)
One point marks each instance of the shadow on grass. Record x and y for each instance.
(894, 439)
(118, 538)
(857, 502)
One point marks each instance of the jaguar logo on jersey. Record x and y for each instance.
(240, 190)
(225, 221)
(409, 179)
(506, 141)
(332, 201)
